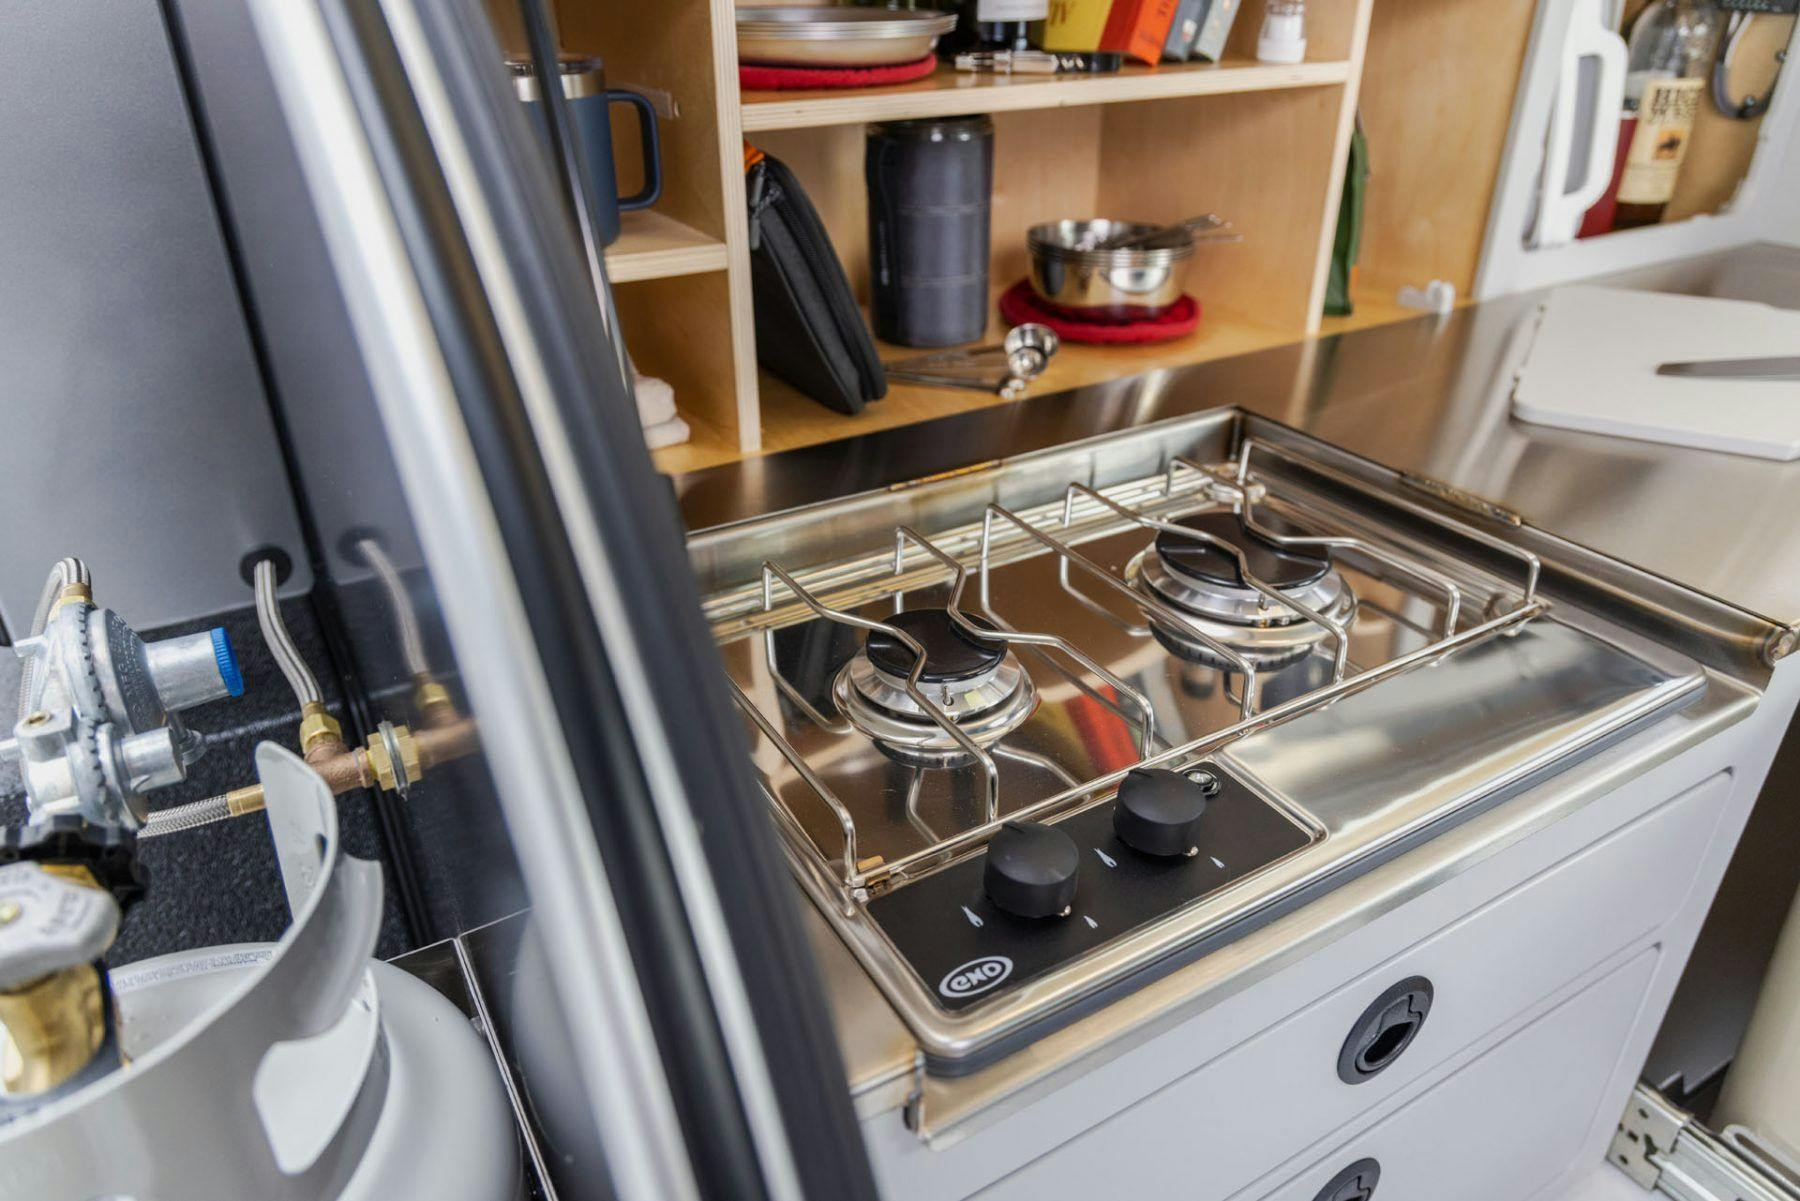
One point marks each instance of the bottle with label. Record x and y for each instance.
(995, 24)
(1665, 84)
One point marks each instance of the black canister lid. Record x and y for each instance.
(951, 653)
(976, 127)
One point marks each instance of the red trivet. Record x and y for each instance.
(1020, 305)
(757, 78)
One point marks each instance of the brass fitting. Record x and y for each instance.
(319, 731)
(53, 1027)
(381, 761)
(74, 873)
(240, 801)
(71, 594)
(432, 700)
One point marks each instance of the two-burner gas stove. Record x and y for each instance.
(1037, 734)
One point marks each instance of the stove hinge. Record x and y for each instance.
(1666, 1150)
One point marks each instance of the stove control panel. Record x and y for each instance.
(1043, 895)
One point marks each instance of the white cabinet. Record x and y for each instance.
(1508, 1125)
(1567, 102)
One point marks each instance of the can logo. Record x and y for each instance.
(976, 976)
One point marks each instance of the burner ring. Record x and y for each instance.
(1236, 608)
(1264, 631)
(987, 709)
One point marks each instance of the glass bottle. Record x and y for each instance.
(1665, 84)
(1282, 38)
(995, 24)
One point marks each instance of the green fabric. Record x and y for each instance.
(1349, 226)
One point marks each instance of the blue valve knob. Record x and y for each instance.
(194, 669)
(226, 658)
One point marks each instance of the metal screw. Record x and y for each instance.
(10, 912)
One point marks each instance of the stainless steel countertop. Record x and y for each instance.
(1429, 396)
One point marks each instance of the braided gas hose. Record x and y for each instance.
(67, 571)
(274, 632)
(412, 645)
(195, 814)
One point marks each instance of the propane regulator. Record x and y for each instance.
(98, 727)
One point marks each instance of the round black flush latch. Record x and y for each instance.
(1385, 1029)
(1355, 1183)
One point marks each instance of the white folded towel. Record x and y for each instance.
(666, 433)
(655, 401)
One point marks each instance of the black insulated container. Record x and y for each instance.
(930, 194)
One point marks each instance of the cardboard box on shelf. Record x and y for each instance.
(1139, 28)
(1184, 31)
(1075, 24)
(1214, 29)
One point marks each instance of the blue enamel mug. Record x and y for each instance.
(589, 107)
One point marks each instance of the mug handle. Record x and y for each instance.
(651, 144)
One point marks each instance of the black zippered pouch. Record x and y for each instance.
(809, 329)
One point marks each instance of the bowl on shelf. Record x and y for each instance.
(1069, 275)
(837, 37)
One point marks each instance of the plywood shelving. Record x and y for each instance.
(654, 246)
(1371, 305)
(951, 93)
(1436, 105)
(1263, 143)
(792, 420)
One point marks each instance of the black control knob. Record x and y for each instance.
(1031, 869)
(1159, 812)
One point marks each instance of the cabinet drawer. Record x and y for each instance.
(1505, 1125)
(1270, 1097)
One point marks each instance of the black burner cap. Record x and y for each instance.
(1205, 561)
(950, 653)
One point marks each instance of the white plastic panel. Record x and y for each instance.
(1763, 207)
(1511, 1122)
(1271, 1097)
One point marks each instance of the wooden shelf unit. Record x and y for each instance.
(1262, 143)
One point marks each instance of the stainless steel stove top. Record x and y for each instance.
(910, 706)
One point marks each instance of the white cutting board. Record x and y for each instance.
(1592, 367)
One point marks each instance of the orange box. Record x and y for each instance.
(1139, 28)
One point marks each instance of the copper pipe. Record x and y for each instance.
(443, 743)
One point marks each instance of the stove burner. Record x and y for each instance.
(1202, 581)
(1206, 561)
(978, 685)
(952, 654)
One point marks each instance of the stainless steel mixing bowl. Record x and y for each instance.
(1104, 285)
(838, 37)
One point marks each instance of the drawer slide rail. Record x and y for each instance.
(1665, 1149)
